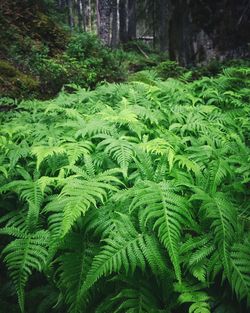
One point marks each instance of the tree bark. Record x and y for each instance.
(104, 12)
(131, 19)
(114, 39)
(123, 21)
(163, 14)
(70, 13)
(181, 33)
(80, 12)
(87, 15)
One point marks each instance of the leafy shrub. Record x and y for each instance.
(168, 69)
(129, 198)
(95, 58)
(84, 45)
(86, 62)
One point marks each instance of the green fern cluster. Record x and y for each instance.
(130, 198)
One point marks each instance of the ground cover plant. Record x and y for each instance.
(130, 198)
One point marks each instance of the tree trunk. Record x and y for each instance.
(181, 33)
(114, 40)
(123, 21)
(61, 4)
(80, 12)
(131, 19)
(104, 11)
(70, 13)
(163, 13)
(154, 19)
(87, 15)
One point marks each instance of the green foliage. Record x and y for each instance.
(128, 198)
(14, 83)
(168, 69)
(85, 63)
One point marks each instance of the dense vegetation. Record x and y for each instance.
(132, 197)
(124, 156)
(46, 44)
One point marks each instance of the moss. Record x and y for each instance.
(49, 32)
(6, 69)
(14, 83)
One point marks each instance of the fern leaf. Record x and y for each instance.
(74, 266)
(224, 224)
(120, 149)
(77, 196)
(169, 212)
(240, 275)
(117, 253)
(43, 152)
(22, 256)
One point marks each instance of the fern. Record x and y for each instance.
(77, 196)
(169, 211)
(114, 194)
(120, 149)
(23, 255)
(240, 275)
(125, 249)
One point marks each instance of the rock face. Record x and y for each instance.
(201, 30)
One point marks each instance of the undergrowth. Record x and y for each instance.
(129, 198)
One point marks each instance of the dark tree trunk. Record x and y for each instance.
(181, 33)
(62, 4)
(70, 14)
(104, 12)
(131, 19)
(154, 22)
(123, 21)
(202, 30)
(114, 39)
(81, 17)
(163, 13)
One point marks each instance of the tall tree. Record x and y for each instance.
(131, 19)
(87, 15)
(181, 33)
(103, 15)
(123, 20)
(114, 39)
(70, 14)
(163, 15)
(81, 15)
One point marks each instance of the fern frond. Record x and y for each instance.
(219, 169)
(224, 224)
(73, 268)
(195, 295)
(169, 212)
(77, 196)
(31, 192)
(120, 149)
(125, 249)
(240, 274)
(24, 255)
(43, 152)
